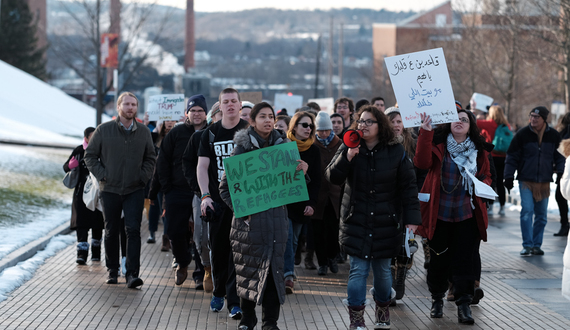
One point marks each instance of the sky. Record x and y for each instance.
(233, 5)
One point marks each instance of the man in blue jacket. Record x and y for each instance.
(533, 155)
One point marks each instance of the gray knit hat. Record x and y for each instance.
(323, 121)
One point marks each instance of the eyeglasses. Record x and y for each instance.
(343, 107)
(534, 116)
(367, 122)
(305, 125)
(464, 120)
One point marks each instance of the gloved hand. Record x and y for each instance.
(509, 184)
(73, 163)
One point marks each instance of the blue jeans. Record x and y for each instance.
(294, 232)
(532, 232)
(382, 283)
(132, 205)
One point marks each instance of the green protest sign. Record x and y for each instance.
(265, 178)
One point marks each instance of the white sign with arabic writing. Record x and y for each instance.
(421, 84)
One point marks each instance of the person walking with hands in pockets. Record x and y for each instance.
(454, 219)
(379, 198)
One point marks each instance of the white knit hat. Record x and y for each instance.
(323, 121)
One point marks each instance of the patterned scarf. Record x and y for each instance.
(326, 141)
(464, 155)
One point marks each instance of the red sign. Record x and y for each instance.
(109, 50)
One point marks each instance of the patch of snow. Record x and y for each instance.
(13, 277)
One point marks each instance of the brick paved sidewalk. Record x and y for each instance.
(63, 295)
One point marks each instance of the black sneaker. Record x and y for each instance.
(112, 277)
(537, 251)
(133, 282)
(525, 252)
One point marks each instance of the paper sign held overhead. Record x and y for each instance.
(166, 107)
(480, 102)
(421, 84)
(265, 178)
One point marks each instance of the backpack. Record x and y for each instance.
(503, 138)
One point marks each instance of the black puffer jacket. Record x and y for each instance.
(259, 240)
(380, 197)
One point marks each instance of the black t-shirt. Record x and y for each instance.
(218, 148)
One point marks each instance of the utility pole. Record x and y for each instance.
(99, 76)
(318, 65)
(330, 68)
(340, 58)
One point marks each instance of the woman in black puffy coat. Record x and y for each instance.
(380, 198)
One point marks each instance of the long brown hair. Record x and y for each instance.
(498, 115)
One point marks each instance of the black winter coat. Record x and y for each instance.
(169, 162)
(380, 197)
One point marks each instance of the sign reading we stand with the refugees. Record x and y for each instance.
(421, 84)
(265, 178)
(166, 107)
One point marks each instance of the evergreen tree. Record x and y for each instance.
(18, 41)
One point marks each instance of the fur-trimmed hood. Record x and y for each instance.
(564, 148)
(249, 139)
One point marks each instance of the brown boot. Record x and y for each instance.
(356, 314)
(165, 243)
(208, 283)
(309, 263)
(181, 275)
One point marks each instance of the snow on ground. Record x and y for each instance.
(13, 277)
(27, 103)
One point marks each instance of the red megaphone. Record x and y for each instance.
(352, 138)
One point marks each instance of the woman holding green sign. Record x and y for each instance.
(258, 241)
(380, 198)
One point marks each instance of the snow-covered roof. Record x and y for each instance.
(32, 111)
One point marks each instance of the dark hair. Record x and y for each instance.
(474, 132)
(228, 90)
(345, 100)
(257, 108)
(361, 103)
(285, 118)
(297, 118)
(374, 99)
(88, 131)
(563, 122)
(314, 106)
(338, 115)
(385, 131)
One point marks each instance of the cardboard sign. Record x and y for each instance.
(265, 178)
(253, 97)
(421, 84)
(480, 102)
(166, 107)
(326, 104)
(289, 102)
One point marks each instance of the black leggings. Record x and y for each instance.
(500, 169)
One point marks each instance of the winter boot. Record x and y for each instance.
(95, 250)
(436, 306)
(208, 283)
(151, 238)
(309, 263)
(563, 230)
(464, 311)
(400, 286)
(356, 314)
(165, 243)
(382, 315)
(82, 252)
(478, 293)
(425, 244)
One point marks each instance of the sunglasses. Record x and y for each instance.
(305, 125)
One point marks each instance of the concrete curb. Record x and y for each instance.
(27, 251)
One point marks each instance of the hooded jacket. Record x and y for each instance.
(258, 241)
(380, 197)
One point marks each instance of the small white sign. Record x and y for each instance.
(166, 107)
(326, 104)
(421, 84)
(480, 102)
(289, 102)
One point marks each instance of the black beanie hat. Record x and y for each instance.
(541, 111)
(197, 100)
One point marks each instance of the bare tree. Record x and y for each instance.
(77, 45)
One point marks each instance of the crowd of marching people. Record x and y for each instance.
(371, 182)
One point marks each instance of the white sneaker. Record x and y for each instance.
(124, 266)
